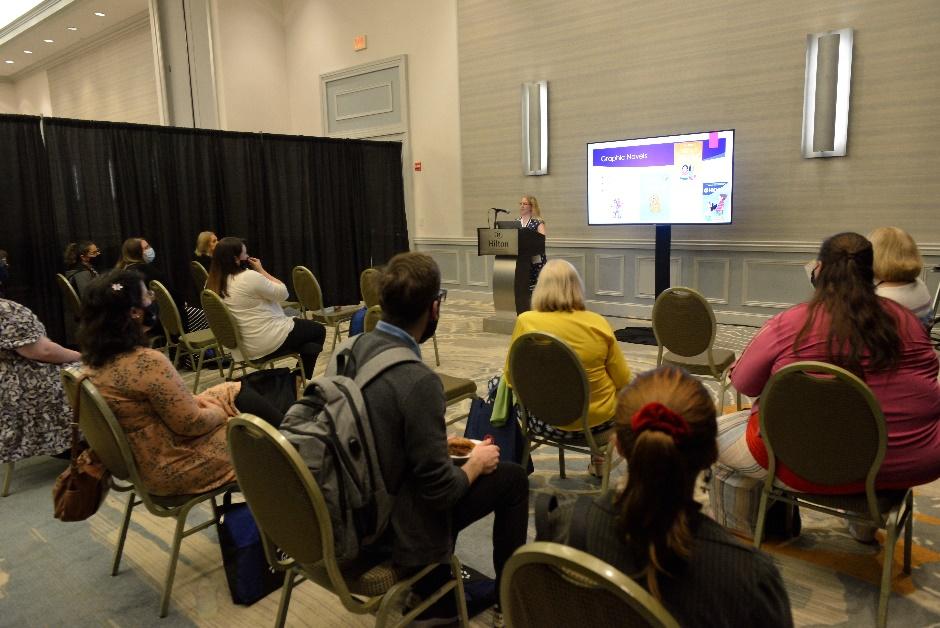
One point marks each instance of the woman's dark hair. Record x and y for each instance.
(75, 250)
(132, 252)
(107, 329)
(656, 508)
(224, 264)
(845, 291)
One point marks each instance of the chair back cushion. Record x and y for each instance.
(307, 289)
(199, 275)
(683, 322)
(369, 286)
(169, 314)
(282, 494)
(220, 319)
(70, 299)
(373, 316)
(548, 378)
(824, 423)
(546, 584)
(104, 434)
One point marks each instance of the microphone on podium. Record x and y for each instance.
(497, 210)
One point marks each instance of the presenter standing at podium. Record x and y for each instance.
(530, 217)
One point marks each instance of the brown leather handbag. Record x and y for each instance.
(80, 489)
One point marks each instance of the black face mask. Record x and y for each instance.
(149, 319)
(431, 327)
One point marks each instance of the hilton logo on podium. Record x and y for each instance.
(498, 243)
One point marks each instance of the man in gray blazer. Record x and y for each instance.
(434, 499)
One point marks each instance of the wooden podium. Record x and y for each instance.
(513, 249)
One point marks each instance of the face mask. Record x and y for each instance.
(149, 319)
(150, 255)
(430, 328)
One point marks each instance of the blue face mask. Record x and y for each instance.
(150, 255)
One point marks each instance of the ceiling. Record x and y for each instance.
(51, 20)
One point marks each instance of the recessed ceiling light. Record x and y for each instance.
(73, 28)
(99, 13)
(28, 52)
(9, 61)
(49, 41)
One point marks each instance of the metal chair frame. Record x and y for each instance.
(310, 297)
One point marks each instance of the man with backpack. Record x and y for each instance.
(432, 498)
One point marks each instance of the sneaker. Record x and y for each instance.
(498, 621)
(863, 533)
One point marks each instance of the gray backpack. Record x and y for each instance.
(330, 428)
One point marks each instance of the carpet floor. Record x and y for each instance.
(54, 573)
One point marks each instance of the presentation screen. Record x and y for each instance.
(675, 179)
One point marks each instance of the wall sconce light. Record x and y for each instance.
(826, 93)
(535, 128)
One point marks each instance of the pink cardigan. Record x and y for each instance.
(909, 395)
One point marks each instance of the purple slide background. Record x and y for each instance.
(633, 156)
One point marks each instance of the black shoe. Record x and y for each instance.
(480, 595)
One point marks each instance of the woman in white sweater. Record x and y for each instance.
(898, 265)
(254, 297)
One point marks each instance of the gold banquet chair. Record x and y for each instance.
(310, 297)
(293, 517)
(369, 288)
(225, 329)
(548, 584)
(194, 343)
(106, 437)
(199, 275)
(828, 428)
(558, 400)
(685, 329)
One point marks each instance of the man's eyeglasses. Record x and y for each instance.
(442, 295)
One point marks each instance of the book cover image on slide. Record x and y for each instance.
(715, 194)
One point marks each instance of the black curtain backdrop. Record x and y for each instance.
(335, 206)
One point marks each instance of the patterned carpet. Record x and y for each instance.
(53, 573)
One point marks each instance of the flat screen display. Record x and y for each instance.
(675, 179)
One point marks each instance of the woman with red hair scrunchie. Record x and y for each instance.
(654, 531)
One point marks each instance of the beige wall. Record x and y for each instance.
(633, 68)
(32, 94)
(8, 101)
(250, 65)
(319, 39)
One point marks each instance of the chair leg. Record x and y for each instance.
(437, 357)
(891, 538)
(202, 357)
(761, 518)
(908, 532)
(561, 462)
(608, 465)
(119, 550)
(335, 336)
(456, 572)
(7, 478)
(174, 558)
(286, 591)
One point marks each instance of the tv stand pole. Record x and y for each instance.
(644, 335)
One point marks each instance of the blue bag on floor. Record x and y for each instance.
(249, 576)
(357, 324)
(508, 437)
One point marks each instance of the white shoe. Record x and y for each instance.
(863, 533)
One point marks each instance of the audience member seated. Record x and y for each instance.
(434, 499)
(254, 297)
(653, 529)
(898, 265)
(205, 246)
(34, 412)
(137, 254)
(558, 308)
(847, 324)
(177, 438)
(80, 259)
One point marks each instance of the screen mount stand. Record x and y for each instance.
(644, 335)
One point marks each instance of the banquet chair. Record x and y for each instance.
(199, 274)
(685, 329)
(194, 343)
(825, 424)
(71, 303)
(558, 400)
(106, 437)
(310, 297)
(548, 584)
(225, 329)
(369, 286)
(297, 534)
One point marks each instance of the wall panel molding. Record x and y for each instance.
(604, 261)
(700, 277)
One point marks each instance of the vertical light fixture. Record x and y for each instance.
(535, 128)
(826, 92)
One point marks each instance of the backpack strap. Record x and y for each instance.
(377, 364)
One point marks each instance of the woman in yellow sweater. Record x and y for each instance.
(558, 308)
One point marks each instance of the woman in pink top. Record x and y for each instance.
(847, 324)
